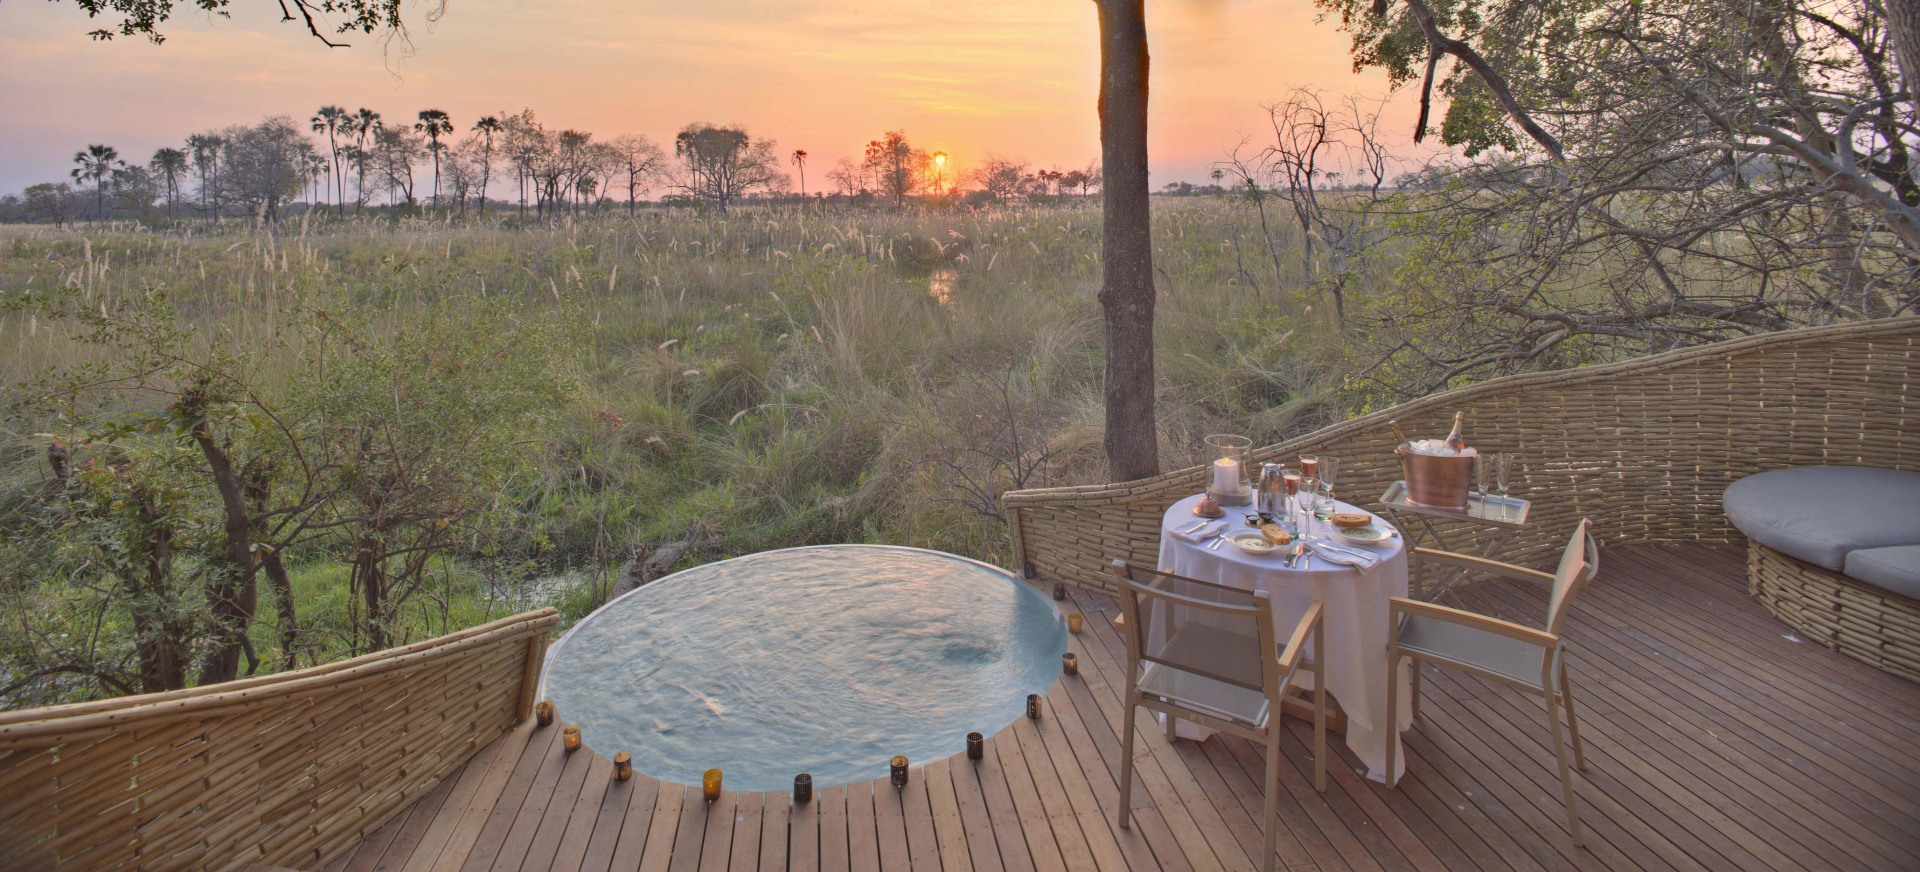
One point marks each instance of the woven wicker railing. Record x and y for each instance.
(283, 770)
(1644, 447)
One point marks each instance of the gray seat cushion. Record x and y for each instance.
(1820, 513)
(1895, 570)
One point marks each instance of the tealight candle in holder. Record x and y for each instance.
(622, 766)
(897, 769)
(802, 789)
(1069, 664)
(571, 738)
(1227, 474)
(1033, 706)
(710, 785)
(1059, 590)
(976, 746)
(543, 713)
(1074, 622)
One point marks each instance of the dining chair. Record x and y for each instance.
(1533, 661)
(1208, 653)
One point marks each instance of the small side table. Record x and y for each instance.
(1496, 516)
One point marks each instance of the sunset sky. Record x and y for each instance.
(1008, 77)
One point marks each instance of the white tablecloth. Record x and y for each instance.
(1356, 617)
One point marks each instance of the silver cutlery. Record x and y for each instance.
(1195, 527)
(1219, 539)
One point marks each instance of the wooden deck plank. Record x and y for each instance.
(835, 852)
(890, 825)
(631, 800)
(489, 832)
(916, 808)
(863, 842)
(653, 850)
(746, 833)
(571, 851)
(479, 784)
(776, 814)
(561, 809)
(1714, 740)
(949, 827)
(716, 841)
(1044, 839)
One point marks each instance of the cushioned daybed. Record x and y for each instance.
(1835, 552)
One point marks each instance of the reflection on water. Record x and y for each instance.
(940, 285)
(826, 660)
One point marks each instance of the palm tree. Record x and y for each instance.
(331, 120)
(364, 123)
(800, 160)
(97, 163)
(434, 123)
(170, 164)
(487, 126)
(206, 160)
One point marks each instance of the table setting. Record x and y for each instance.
(1283, 531)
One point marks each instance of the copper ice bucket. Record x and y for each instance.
(1436, 480)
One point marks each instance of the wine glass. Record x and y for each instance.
(1480, 464)
(1291, 478)
(1310, 466)
(1504, 471)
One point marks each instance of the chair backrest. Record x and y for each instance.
(1164, 610)
(1579, 563)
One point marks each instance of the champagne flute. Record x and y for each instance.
(1503, 472)
(1480, 464)
(1329, 469)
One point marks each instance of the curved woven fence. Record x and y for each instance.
(283, 770)
(1644, 447)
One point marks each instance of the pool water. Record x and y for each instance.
(828, 660)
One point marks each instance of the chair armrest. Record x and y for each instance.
(1404, 606)
(1309, 625)
(1481, 563)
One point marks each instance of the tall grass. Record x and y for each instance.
(777, 377)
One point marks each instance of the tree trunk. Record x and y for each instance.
(1903, 24)
(1126, 248)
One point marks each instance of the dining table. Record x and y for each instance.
(1356, 613)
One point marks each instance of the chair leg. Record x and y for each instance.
(1126, 767)
(1566, 775)
(1573, 720)
(1270, 823)
(1414, 703)
(1393, 710)
(1319, 733)
(1171, 727)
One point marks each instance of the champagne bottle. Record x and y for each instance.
(1397, 434)
(1455, 442)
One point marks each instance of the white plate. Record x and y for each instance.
(1253, 543)
(1368, 535)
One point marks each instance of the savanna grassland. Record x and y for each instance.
(572, 396)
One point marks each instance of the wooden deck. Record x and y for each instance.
(1714, 740)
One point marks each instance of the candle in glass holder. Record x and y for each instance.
(622, 766)
(802, 789)
(571, 737)
(1074, 622)
(1226, 476)
(1069, 664)
(710, 785)
(1033, 706)
(898, 771)
(976, 746)
(1059, 590)
(543, 713)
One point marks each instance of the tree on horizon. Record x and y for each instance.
(96, 163)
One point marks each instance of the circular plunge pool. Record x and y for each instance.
(827, 660)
